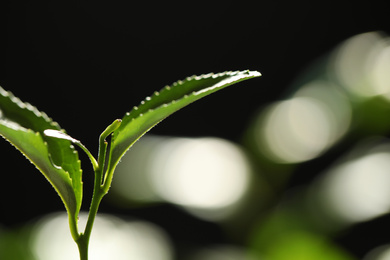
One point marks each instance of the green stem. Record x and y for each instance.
(83, 248)
(98, 194)
(99, 191)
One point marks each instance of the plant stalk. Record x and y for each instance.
(83, 241)
(83, 248)
(98, 191)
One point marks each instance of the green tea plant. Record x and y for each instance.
(50, 149)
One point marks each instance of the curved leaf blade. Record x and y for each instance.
(22, 125)
(164, 103)
(36, 150)
(61, 135)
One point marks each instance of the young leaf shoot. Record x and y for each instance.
(50, 149)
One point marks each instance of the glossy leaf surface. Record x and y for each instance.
(23, 125)
(164, 103)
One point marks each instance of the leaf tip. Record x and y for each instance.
(252, 73)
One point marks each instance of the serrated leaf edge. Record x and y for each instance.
(129, 118)
(181, 82)
(38, 168)
(29, 107)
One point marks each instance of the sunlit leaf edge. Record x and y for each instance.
(29, 118)
(161, 104)
(41, 160)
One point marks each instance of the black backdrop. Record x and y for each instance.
(86, 63)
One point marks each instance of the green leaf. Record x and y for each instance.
(63, 136)
(164, 103)
(23, 125)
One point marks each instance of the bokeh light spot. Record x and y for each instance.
(379, 253)
(207, 176)
(112, 238)
(296, 130)
(132, 182)
(200, 173)
(380, 76)
(337, 104)
(353, 62)
(358, 190)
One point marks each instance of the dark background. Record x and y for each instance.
(86, 63)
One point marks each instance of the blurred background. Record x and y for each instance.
(292, 165)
